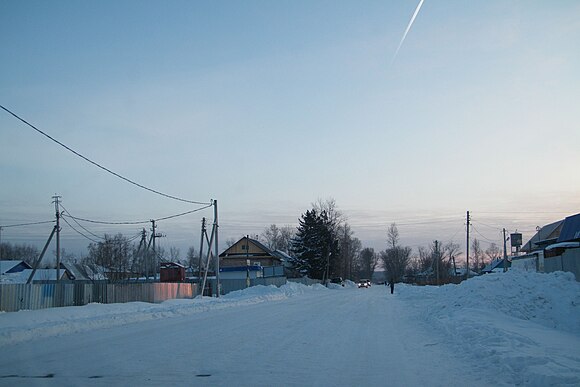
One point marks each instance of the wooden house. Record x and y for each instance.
(248, 249)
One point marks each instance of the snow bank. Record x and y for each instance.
(552, 300)
(522, 326)
(31, 324)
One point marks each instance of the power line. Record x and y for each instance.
(78, 232)
(110, 223)
(80, 225)
(481, 235)
(99, 165)
(183, 213)
(137, 222)
(27, 224)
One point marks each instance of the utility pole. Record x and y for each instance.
(154, 236)
(504, 252)
(203, 233)
(467, 247)
(217, 255)
(437, 258)
(56, 206)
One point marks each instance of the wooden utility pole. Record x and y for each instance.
(437, 258)
(504, 252)
(467, 247)
(217, 255)
(56, 206)
(203, 233)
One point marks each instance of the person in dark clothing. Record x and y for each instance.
(392, 286)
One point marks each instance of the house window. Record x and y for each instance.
(244, 247)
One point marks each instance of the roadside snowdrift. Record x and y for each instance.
(523, 326)
(32, 324)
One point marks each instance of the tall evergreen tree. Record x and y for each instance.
(314, 247)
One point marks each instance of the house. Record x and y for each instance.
(557, 247)
(40, 275)
(80, 272)
(13, 266)
(496, 266)
(241, 272)
(544, 236)
(249, 252)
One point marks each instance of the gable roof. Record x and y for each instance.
(255, 249)
(13, 266)
(570, 229)
(21, 277)
(545, 235)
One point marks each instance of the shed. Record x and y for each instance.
(171, 272)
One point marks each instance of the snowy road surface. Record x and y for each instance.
(319, 337)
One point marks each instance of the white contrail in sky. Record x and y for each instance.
(408, 28)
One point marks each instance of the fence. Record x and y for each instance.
(568, 261)
(14, 297)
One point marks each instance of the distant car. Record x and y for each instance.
(364, 283)
(337, 280)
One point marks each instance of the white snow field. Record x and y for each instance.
(515, 328)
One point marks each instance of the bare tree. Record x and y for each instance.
(392, 236)
(230, 242)
(369, 260)
(493, 252)
(278, 238)
(349, 250)
(335, 217)
(452, 251)
(395, 258)
(174, 254)
(424, 259)
(477, 254)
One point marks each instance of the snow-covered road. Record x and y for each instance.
(326, 338)
(278, 337)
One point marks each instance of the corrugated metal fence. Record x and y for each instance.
(14, 297)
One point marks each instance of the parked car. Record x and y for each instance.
(364, 283)
(337, 280)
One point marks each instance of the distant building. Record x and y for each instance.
(13, 266)
(248, 249)
(171, 272)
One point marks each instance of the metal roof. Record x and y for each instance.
(548, 232)
(570, 229)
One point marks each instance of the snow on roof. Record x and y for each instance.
(21, 277)
(7, 265)
(570, 229)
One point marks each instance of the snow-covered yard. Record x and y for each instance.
(501, 329)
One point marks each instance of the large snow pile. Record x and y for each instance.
(552, 300)
(517, 323)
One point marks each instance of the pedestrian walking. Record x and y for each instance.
(392, 286)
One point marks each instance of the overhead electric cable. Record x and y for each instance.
(80, 225)
(99, 165)
(481, 235)
(27, 224)
(103, 222)
(78, 232)
(183, 213)
(137, 222)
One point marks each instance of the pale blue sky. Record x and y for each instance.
(269, 105)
